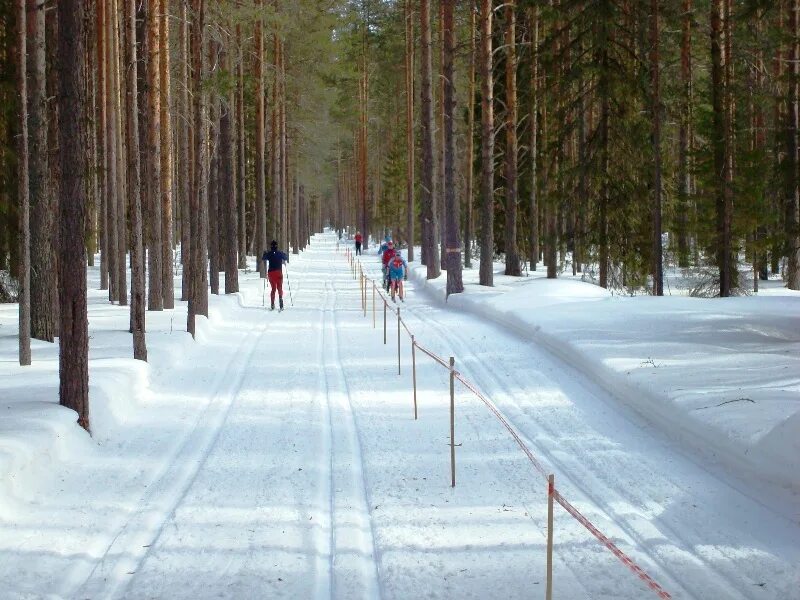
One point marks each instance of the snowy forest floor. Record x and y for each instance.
(277, 455)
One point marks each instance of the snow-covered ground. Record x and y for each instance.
(277, 455)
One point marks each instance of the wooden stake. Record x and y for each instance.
(374, 322)
(398, 340)
(550, 490)
(414, 372)
(452, 421)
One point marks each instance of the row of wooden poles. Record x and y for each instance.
(357, 272)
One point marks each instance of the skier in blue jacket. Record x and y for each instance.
(398, 272)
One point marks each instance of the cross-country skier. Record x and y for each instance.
(398, 272)
(359, 239)
(386, 257)
(275, 260)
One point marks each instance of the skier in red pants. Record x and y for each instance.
(275, 260)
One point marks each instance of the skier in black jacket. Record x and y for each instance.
(275, 259)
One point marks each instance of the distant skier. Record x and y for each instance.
(398, 272)
(386, 257)
(275, 260)
(359, 239)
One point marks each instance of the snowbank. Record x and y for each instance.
(721, 375)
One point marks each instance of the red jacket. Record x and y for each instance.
(358, 237)
(388, 255)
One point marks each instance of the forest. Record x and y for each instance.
(611, 138)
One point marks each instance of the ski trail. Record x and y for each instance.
(112, 574)
(580, 477)
(356, 565)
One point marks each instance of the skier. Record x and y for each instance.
(398, 272)
(359, 239)
(275, 260)
(386, 257)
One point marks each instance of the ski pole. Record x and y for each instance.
(289, 285)
(264, 294)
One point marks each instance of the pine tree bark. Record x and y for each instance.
(213, 184)
(452, 236)
(113, 196)
(135, 190)
(486, 272)
(23, 190)
(166, 150)
(440, 151)
(684, 134)
(533, 205)
(155, 298)
(228, 198)
(102, 163)
(42, 223)
(428, 191)
(74, 334)
(512, 251)
(184, 159)
(198, 299)
(470, 158)
(261, 216)
(721, 189)
(241, 174)
(410, 158)
(792, 158)
(120, 223)
(655, 109)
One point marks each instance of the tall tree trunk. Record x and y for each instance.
(167, 244)
(114, 196)
(42, 224)
(74, 334)
(261, 215)
(684, 133)
(213, 183)
(722, 192)
(604, 92)
(155, 297)
(792, 158)
(227, 187)
(24, 192)
(486, 274)
(512, 252)
(428, 192)
(198, 298)
(655, 108)
(102, 165)
(533, 207)
(122, 196)
(135, 190)
(469, 196)
(410, 159)
(184, 159)
(241, 196)
(452, 211)
(440, 151)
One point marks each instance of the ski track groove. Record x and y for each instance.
(573, 477)
(358, 463)
(116, 580)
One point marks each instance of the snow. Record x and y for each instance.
(277, 455)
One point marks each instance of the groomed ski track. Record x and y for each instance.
(298, 471)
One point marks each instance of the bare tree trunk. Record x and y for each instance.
(135, 191)
(684, 133)
(470, 167)
(512, 252)
(42, 223)
(155, 297)
(184, 154)
(167, 244)
(227, 186)
(113, 198)
(241, 197)
(198, 298)
(213, 184)
(261, 216)
(410, 209)
(486, 274)
(440, 152)
(74, 334)
(655, 91)
(452, 213)
(428, 194)
(24, 192)
(722, 191)
(792, 158)
(101, 144)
